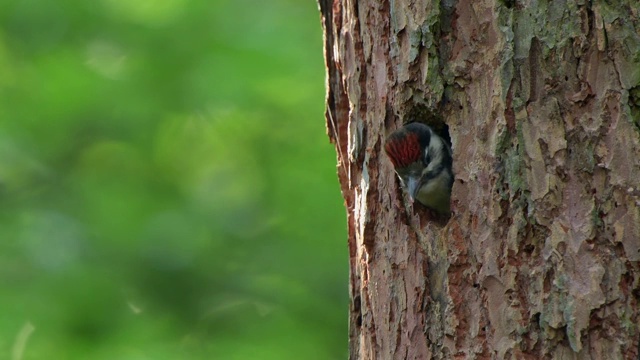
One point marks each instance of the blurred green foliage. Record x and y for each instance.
(167, 189)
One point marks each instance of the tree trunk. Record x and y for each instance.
(541, 256)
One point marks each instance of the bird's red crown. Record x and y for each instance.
(403, 148)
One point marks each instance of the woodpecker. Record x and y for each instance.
(423, 162)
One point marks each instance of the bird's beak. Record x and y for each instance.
(412, 187)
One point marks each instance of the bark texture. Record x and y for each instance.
(542, 98)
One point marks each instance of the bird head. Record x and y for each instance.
(407, 148)
(422, 159)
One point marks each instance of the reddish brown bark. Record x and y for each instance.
(541, 258)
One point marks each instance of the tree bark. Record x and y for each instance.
(542, 98)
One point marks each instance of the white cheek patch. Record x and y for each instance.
(435, 149)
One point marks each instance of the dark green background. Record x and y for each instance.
(167, 189)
